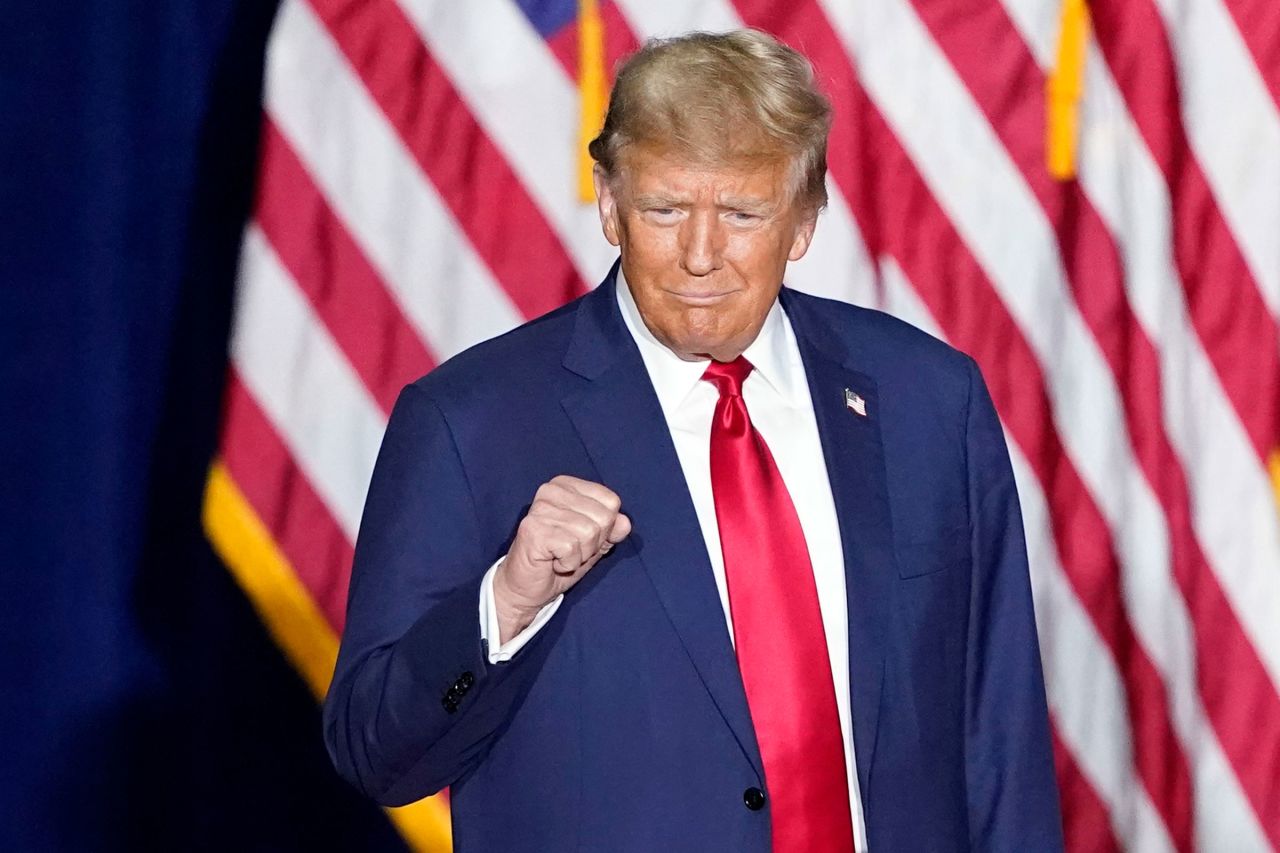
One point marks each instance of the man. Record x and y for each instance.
(699, 563)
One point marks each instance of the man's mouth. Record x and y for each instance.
(701, 297)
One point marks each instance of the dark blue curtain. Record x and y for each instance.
(142, 706)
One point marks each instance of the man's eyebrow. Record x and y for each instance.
(656, 200)
(745, 203)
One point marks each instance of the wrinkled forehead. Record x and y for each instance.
(675, 169)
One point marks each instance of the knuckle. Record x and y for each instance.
(588, 530)
(531, 528)
(611, 500)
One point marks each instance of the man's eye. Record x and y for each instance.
(743, 217)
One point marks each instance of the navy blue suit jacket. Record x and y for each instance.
(623, 725)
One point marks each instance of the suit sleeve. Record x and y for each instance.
(414, 703)
(1013, 798)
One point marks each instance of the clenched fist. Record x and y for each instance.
(571, 524)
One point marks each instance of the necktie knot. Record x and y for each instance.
(728, 376)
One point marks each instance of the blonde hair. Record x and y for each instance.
(720, 98)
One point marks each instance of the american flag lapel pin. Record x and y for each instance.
(855, 403)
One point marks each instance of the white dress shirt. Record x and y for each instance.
(777, 398)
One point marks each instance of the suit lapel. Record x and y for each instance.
(620, 422)
(854, 455)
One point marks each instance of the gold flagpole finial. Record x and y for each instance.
(1274, 465)
(592, 88)
(1064, 89)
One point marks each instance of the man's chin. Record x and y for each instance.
(703, 348)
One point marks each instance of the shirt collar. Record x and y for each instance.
(773, 353)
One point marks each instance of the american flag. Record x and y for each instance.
(1086, 198)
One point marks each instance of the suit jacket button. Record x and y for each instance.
(754, 798)
(467, 680)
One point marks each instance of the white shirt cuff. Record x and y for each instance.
(489, 620)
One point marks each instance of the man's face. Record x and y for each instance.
(703, 249)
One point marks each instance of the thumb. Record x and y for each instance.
(620, 530)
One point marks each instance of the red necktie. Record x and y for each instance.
(777, 629)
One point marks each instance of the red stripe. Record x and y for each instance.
(281, 495)
(1226, 306)
(1087, 824)
(899, 216)
(1259, 24)
(619, 41)
(489, 202)
(1097, 279)
(346, 292)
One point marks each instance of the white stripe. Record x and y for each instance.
(527, 106)
(837, 265)
(1086, 695)
(666, 18)
(950, 141)
(1234, 129)
(378, 190)
(306, 387)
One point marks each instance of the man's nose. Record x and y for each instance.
(702, 249)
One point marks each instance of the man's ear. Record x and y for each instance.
(607, 204)
(804, 236)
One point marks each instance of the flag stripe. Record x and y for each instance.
(1085, 823)
(279, 493)
(304, 384)
(389, 207)
(1259, 25)
(1098, 289)
(1210, 58)
(667, 18)
(428, 115)
(345, 291)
